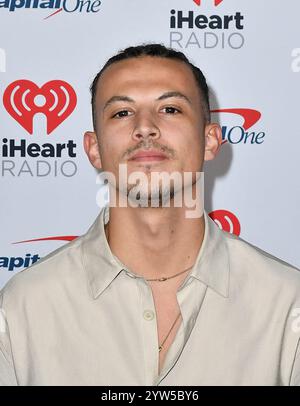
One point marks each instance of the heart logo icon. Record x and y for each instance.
(217, 2)
(226, 220)
(55, 99)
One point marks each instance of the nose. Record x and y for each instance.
(145, 127)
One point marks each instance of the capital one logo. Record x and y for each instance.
(55, 99)
(239, 134)
(216, 2)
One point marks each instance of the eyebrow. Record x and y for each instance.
(164, 96)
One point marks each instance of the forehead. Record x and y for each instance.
(146, 74)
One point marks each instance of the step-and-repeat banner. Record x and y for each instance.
(50, 50)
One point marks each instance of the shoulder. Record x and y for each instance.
(48, 274)
(261, 269)
(266, 292)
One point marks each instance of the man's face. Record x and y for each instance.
(149, 105)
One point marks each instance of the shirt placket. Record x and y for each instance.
(190, 299)
(149, 332)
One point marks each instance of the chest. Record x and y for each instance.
(168, 319)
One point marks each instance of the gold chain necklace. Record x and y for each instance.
(163, 279)
(165, 339)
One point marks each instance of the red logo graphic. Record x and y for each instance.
(250, 116)
(227, 221)
(58, 238)
(217, 2)
(23, 99)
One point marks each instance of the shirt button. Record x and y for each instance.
(148, 315)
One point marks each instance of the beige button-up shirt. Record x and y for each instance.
(80, 317)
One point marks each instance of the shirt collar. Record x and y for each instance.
(98, 261)
(211, 266)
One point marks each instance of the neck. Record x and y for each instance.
(154, 242)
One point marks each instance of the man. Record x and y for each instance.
(149, 295)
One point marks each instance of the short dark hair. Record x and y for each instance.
(155, 50)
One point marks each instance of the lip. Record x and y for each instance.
(148, 156)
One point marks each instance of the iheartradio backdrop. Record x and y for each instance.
(49, 54)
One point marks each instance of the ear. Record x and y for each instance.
(213, 141)
(91, 147)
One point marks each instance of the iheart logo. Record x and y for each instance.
(226, 220)
(23, 99)
(217, 2)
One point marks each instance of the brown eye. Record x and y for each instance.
(171, 110)
(120, 114)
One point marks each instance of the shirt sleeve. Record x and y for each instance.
(7, 371)
(295, 378)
